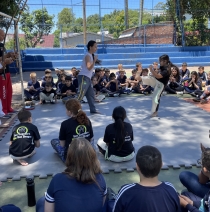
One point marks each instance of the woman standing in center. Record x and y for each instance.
(84, 77)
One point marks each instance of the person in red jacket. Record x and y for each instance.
(5, 79)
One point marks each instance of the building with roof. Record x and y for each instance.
(46, 42)
(74, 39)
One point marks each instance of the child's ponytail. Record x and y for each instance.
(82, 118)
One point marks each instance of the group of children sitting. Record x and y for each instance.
(114, 84)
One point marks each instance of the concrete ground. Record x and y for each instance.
(175, 134)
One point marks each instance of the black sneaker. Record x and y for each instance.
(51, 102)
(43, 102)
(196, 100)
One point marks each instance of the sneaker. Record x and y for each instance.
(116, 94)
(43, 102)
(164, 93)
(197, 100)
(129, 92)
(180, 93)
(193, 94)
(51, 102)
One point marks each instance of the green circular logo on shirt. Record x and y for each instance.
(81, 129)
(22, 130)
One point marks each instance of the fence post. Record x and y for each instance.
(144, 37)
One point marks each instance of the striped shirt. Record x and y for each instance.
(137, 198)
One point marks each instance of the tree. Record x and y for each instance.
(10, 44)
(57, 38)
(93, 23)
(66, 19)
(160, 6)
(12, 8)
(35, 25)
(199, 10)
(78, 25)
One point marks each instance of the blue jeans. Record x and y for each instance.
(191, 196)
(62, 151)
(191, 182)
(189, 89)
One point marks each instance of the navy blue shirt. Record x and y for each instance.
(185, 74)
(70, 195)
(203, 76)
(44, 83)
(135, 197)
(36, 85)
(112, 87)
(207, 82)
(122, 80)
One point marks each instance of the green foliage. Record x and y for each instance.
(35, 25)
(9, 7)
(196, 29)
(56, 40)
(66, 19)
(93, 23)
(10, 44)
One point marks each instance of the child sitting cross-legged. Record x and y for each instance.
(174, 86)
(77, 126)
(48, 94)
(25, 137)
(149, 194)
(68, 91)
(98, 97)
(61, 84)
(122, 81)
(33, 88)
(117, 143)
(112, 88)
(132, 83)
(48, 79)
(144, 89)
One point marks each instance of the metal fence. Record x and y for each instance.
(113, 22)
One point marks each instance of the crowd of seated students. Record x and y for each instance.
(114, 84)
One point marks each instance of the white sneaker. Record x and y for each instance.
(164, 93)
(180, 93)
(116, 94)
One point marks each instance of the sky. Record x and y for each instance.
(55, 6)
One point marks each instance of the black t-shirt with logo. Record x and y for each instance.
(47, 93)
(71, 129)
(22, 138)
(109, 138)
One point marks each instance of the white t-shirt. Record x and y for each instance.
(84, 71)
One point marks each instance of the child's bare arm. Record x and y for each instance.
(203, 179)
(62, 143)
(37, 143)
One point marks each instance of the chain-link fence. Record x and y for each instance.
(108, 22)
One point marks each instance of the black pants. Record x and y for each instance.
(173, 88)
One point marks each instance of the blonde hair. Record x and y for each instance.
(155, 63)
(32, 74)
(120, 66)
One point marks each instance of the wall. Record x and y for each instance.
(151, 34)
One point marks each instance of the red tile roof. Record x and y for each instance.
(48, 40)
